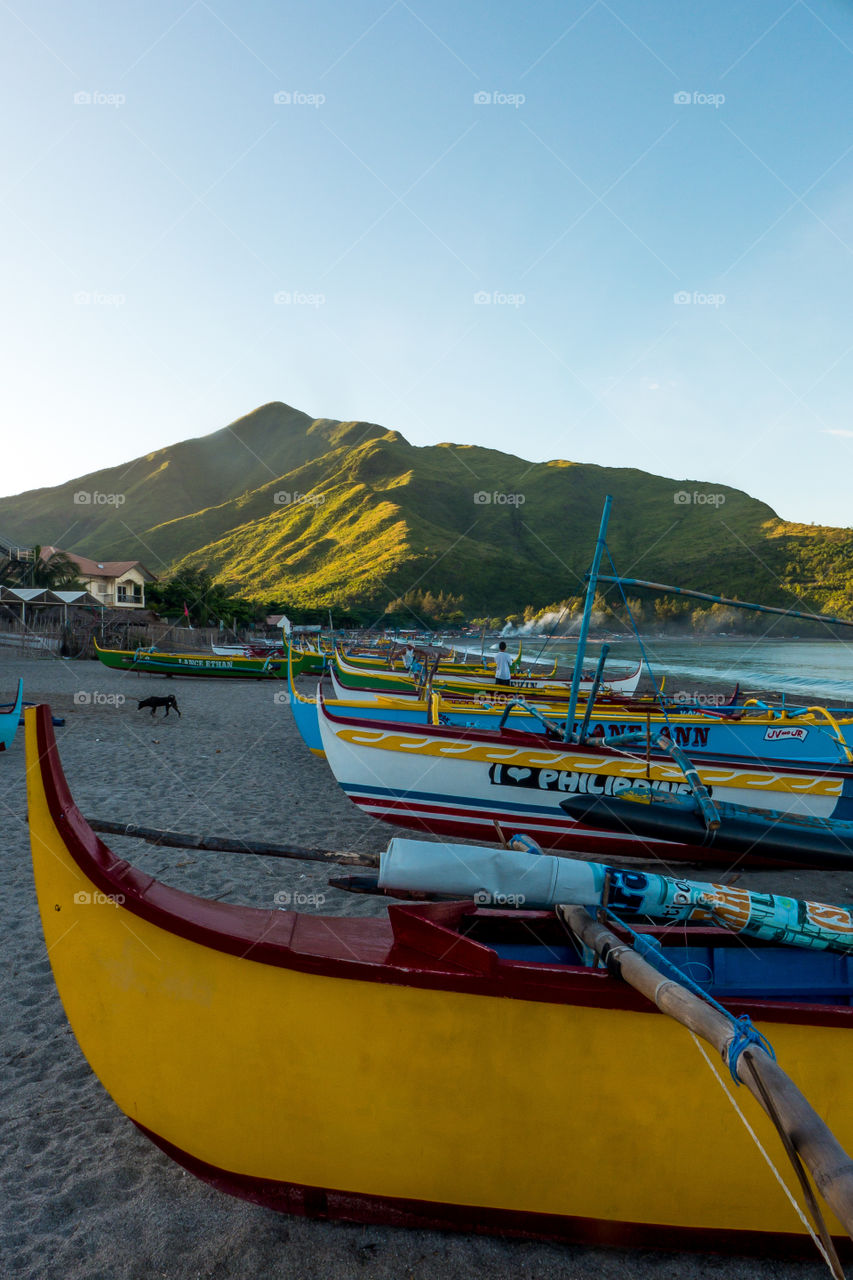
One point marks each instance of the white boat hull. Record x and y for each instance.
(461, 784)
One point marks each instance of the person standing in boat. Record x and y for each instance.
(503, 665)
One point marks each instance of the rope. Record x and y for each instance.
(524, 843)
(745, 1033)
(636, 630)
(776, 1174)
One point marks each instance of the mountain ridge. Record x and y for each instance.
(329, 512)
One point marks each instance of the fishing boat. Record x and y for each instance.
(10, 718)
(809, 734)
(409, 709)
(308, 661)
(390, 682)
(494, 1080)
(199, 664)
(491, 695)
(443, 661)
(462, 783)
(412, 689)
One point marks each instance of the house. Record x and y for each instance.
(118, 584)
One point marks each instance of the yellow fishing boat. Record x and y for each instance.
(444, 1066)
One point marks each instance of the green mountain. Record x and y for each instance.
(345, 513)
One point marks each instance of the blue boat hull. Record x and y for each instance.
(9, 719)
(792, 743)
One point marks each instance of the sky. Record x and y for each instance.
(614, 232)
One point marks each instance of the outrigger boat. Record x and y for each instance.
(480, 690)
(200, 664)
(435, 709)
(496, 1079)
(811, 734)
(389, 682)
(9, 719)
(462, 783)
(442, 661)
(308, 661)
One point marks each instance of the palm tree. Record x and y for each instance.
(57, 572)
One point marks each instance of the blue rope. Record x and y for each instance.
(528, 842)
(745, 1033)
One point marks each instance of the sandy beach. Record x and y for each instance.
(84, 1195)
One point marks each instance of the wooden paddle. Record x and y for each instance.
(809, 1136)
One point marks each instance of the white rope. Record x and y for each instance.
(776, 1174)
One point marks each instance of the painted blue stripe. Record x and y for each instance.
(466, 802)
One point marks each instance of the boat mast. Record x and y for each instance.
(587, 614)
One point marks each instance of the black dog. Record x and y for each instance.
(154, 703)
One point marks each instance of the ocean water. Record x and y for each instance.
(797, 669)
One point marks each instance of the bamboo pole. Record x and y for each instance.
(214, 844)
(821, 1153)
(593, 693)
(735, 604)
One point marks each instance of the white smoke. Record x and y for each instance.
(561, 624)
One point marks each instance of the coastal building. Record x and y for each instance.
(117, 584)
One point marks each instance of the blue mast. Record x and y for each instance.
(587, 614)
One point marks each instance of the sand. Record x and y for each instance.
(82, 1193)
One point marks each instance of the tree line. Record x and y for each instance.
(192, 594)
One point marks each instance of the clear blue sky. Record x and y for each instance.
(581, 199)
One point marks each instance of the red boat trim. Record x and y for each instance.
(469, 824)
(346, 1206)
(360, 949)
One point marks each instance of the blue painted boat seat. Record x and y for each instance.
(757, 972)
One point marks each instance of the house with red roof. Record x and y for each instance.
(117, 584)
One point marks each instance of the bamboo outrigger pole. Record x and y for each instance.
(215, 844)
(821, 1153)
(735, 604)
